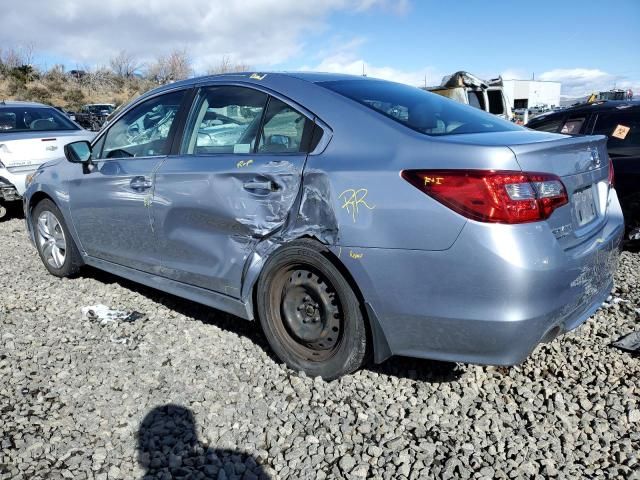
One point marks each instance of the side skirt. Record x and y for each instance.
(196, 294)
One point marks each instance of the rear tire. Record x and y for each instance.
(55, 245)
(309, 313)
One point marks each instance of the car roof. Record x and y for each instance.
(268, 79)
(599, 106)
(20, 103)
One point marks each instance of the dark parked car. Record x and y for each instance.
(94, 115)
(620, 121)
(349, 215)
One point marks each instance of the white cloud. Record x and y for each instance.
(578, 82)
(257, 32)
(345, 59)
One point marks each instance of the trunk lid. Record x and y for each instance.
(25, 151)
(582, 163)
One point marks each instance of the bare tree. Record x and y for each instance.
(171, 68)
(226, 65)
(124, 64)
(12, 58)
(17, 57)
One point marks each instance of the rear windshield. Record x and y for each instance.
(33, 119)
(100, 108)
(419, 110)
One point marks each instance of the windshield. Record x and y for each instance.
(33, 119)
(421, 111)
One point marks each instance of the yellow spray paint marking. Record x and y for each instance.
(244, 163)
(353, 199)
(436, 180)
(147, 201)
(355, 255)
(257, 76)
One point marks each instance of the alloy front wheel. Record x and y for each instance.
(55, 245)
(51, 239)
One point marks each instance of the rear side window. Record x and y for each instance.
(573, 125)
(496, 102)
(421, 111)
(285, 130)
(33, 119)
(551, 125)
(623, 130)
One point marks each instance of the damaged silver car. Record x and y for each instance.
(355, 218)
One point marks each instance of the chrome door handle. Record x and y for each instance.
(140, 183)
(256, 185)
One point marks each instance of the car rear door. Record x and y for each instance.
(110, 200)
(622, 127)
(234, 183)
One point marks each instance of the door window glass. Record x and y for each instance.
(496, 102)
(285, 130)
(476, 99)
(623, 130)
(144, 130)
(226, 120)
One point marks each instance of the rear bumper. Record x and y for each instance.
(493, 296)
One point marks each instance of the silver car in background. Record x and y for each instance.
(31, 134)
(355, 218)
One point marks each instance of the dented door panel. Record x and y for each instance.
(210, 212)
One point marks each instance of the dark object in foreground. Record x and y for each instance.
(629, 343)
(620, 122)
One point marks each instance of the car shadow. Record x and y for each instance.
(168, 447)
(419, 369)
(431, 371)
(631, 246)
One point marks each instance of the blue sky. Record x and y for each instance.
(494, 36)
(586, 45)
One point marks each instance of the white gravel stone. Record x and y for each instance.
(76, 394)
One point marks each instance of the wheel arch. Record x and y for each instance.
(36, 198)
(379, 349)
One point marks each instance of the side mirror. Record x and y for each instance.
(78, 152)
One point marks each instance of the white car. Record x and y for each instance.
(31, 134)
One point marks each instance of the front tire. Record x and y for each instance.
(55, 245)
(309, 313)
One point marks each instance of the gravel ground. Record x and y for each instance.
(189, 392)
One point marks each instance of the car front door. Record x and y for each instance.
(234, 183)
(110, 201)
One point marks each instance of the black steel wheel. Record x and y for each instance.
(309, 313)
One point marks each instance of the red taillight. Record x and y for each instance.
(492, 196)
(611, 174)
